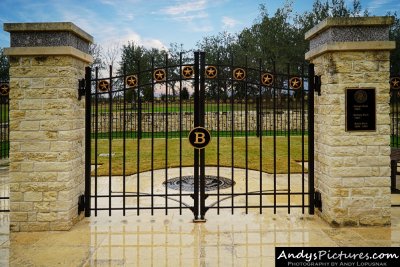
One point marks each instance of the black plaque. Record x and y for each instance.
(360, 109)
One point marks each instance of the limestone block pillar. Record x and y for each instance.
(47, 126)
(352, 162)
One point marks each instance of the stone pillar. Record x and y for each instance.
(352, 162)
(47, 126)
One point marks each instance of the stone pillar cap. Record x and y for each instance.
(350, 34)
(348, 22)
(48, 27)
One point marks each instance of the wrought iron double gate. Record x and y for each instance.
(260, 120)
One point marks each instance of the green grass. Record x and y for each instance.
(283, 163)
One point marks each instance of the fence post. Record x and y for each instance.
(47, 124)
(352, 124)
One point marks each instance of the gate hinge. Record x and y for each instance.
(81, 88)
(81, 204)
(317, 84)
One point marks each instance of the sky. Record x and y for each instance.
(154, 23)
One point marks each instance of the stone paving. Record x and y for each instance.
(174, 240)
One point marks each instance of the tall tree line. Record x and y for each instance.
(277, 38)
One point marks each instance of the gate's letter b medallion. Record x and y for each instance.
(199, 137)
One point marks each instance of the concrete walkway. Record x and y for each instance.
(174, 240)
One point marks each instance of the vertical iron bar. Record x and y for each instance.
(275, 84)
(180, 133)
(8, 125)
(302, 141)
(396, 92)
(260, 134)
(218, 129)
(152, 138)
(393, 110)
(124, 145)
(139, 114)
(96, 145)
(288, 133)
(258, 114)
(166, 133)
(202, 124)
(110, 133)
(311, 138)
(88, 115)
(196, 124)
(138, 137)
(232, 138)
(246, 138)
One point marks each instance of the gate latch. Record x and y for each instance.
(317, 84)
(81, 88)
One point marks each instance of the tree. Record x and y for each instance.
(4, 66)
(394, 35)
(95, 50)
(184, 94)
(140, 61)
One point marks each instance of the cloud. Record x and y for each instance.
(376, 4)
(189, 18)
(193, 14)
(229, 22)
(183, 7)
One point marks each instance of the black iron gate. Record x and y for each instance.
(260, 120)
(4, 142)
(4, 119)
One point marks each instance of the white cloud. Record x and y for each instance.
(189, 18)
(376, 4)
(183, 7)
(229, 22)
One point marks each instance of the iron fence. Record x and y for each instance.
(4, 145)
(4, 120)
(260, 119)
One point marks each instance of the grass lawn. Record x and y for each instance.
(159, 156)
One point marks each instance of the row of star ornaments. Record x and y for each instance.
(267, 79)
(211, 72)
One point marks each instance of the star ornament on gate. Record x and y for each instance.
(159, 75)
(131, 80)
(211, 72)
(267, 79)
(4, 89)
(103, 86)
(295, 83)
(187, 72)
(239, 74)
(395, 83)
